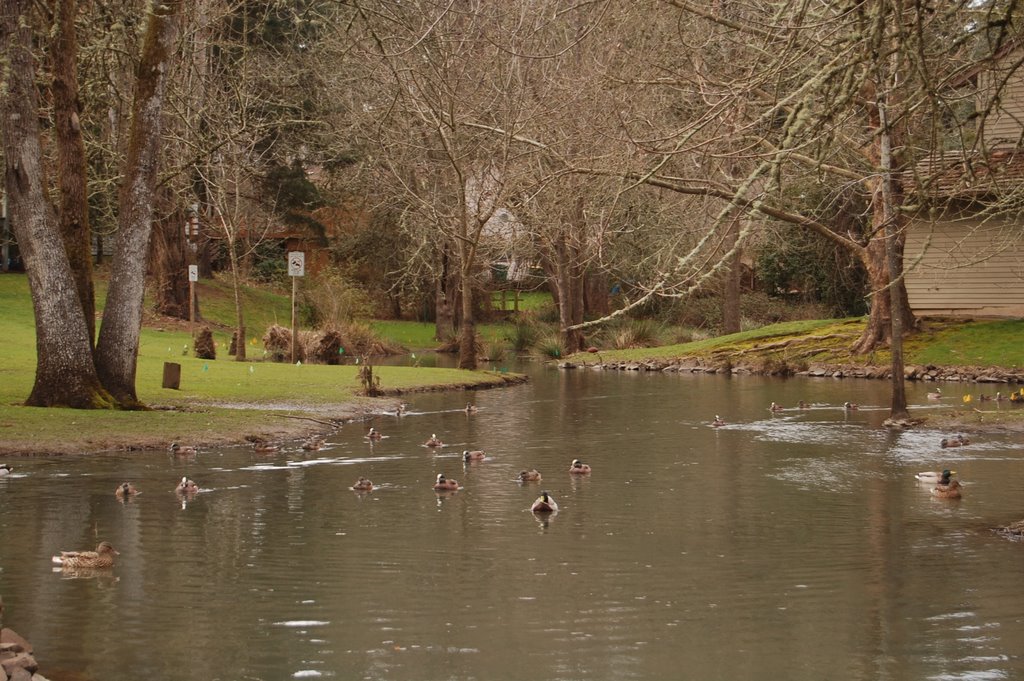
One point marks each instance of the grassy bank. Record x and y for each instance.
(219, 401)
(939, 342)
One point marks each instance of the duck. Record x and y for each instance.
(374, 434)
(313, 444)
(935, 476)
(444, 483)
(433, 441)
(775, 406)
(950, 491)
(186, 486)
(532, 475)
(470, 409)
(362, 485)
(264, 447)
(579, 468)
(935, 394)
(102, 557)
(802, 405)
(958, 441)
(851, 406)
(1017, 396)
(477, 455)
(125, 490)
(718, 422)
(544, 504)
(183, 450)
(401, 409)
(5, 469)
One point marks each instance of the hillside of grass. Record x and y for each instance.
(939, 342)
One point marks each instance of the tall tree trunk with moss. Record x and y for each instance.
(117, 352)
(73, 211)
(65, 374)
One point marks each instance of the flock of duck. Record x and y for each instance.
(943, 486)
(103, 556)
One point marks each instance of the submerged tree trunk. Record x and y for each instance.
(65, 374)
(116, 357)
(71, 162)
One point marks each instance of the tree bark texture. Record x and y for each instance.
(116, 357)
(65, 374)
(73, 211)
(731, 317)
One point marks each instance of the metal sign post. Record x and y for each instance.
(193, 277)
(296, 269)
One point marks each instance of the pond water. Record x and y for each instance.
(794, 545)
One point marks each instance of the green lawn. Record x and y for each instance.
(218, 400)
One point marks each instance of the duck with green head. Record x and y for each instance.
(544, 504)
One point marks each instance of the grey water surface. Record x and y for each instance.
(794, 545)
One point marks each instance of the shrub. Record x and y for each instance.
(360, 339)
(277, 345)
(204, 346)
(523, 334)
(493, 352)
(549, 347)
(637, 333)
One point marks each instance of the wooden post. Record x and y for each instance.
(295, 326)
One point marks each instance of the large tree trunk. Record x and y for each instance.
(444, 301)
(71, 163)
(731, 321)
(116, 357)
(887, 242)
(467, 326)
(170, 266)
(236, 288)
(65, 375)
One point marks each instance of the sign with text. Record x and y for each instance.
(193, 272)
(296, 264)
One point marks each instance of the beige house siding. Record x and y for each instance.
(964, 267)
(1005, 123)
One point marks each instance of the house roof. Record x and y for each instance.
(968, 174)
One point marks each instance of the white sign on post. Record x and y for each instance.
(296, 264)
(193, 272)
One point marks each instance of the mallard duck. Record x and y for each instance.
(958, 441)
(1017, 396)
(477, 455)
(102, 557)
(851, 406)
(264, 447)
(183, 450)
(401, 409)
(433, 441)
(935, 394)
(532, 475)
(999, 397)
(444, 483)
(125, 490)
(313, 443)
(718, 422)
(935, 476)
(579, 468)
(374, 434)
(802, 405)
(186, 486)
(5, 469)
(544, 504)
(362, 485)
(775, 406)
(470, 409)
(950, 491)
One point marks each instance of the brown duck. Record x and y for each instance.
(102, 557)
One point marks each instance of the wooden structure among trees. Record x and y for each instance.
(969, 259)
